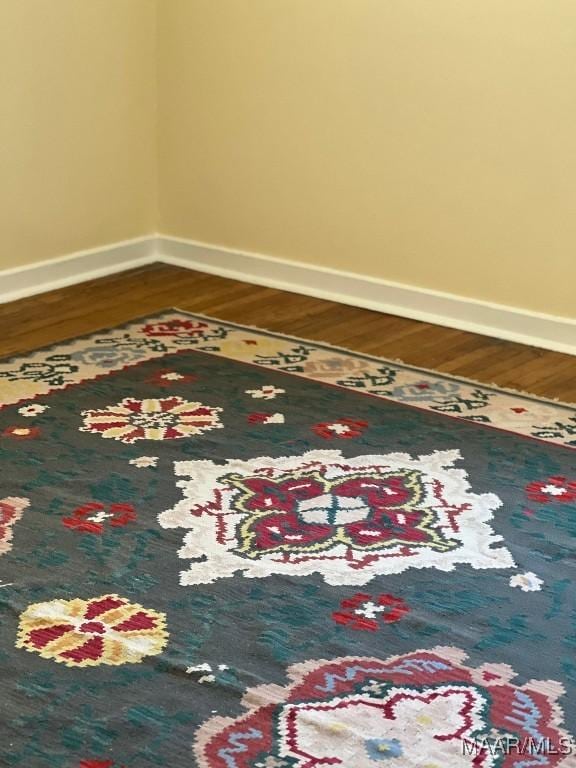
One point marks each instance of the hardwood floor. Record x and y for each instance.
(68, 312)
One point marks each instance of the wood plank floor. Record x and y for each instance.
(73, 311)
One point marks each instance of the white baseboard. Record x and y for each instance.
(42, 276)
(503, 322)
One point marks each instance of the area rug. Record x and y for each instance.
(227, 548)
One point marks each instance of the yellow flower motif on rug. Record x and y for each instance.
(86, 633)
(166, 418)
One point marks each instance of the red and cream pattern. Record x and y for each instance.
(96, 517)
(23, 379)
(21, 432)
(11, 509)
(166, 418)
(343, 429)
(348, 519)
(426, 708)
(86, 633)
(557, 489)
(362, 612)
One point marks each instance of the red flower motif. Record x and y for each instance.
(96, 763)
(21, 433)
(92, 518)
(341, 428)
(168, 378)
(362, 612)
(179, 328)
(554, 489)
(299, 513)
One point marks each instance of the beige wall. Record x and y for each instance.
(428, 142)
(77, 114)
(431, 143)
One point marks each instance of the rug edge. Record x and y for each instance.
(379, 358)
(569, 406)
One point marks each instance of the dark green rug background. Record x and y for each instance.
(146, 714)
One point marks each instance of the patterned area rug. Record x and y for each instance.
(226, 548)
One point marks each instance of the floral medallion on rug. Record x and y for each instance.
(227, 548)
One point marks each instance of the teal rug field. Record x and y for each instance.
(228, 548)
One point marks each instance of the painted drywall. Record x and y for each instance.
(427, 143)
(431, 143)
(77, 125)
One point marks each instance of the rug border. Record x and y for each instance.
(392, 360)
(553, 410)
(313, 342)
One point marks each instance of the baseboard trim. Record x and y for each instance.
(49, 275)
(503, 322)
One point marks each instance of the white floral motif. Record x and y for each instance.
(338, 428)
(145, 461)
(32, 410)
(266, 392)
(554, 490)
(403, 727)
(369, 609)
(346, 519)
(206, 669)
(528, 582)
